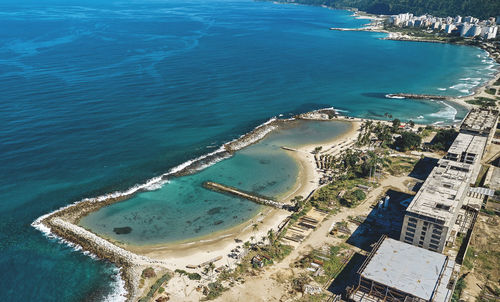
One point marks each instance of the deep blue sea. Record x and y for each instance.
(97, 96)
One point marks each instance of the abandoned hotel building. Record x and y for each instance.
(439, 210)
(422, 266)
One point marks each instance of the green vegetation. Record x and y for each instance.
(191, 276)
(155, 287)
(424, 132)
(482, 175)
(331, 261)
(333, 265)
(380, 132)
(491, 91)
(488, 211)
(442, 8)
(408, 141)
(148, 273)
(469, 258)
(342, 192)
(400, 165)
(482, 101)
(459, 287)
(443, 139)
(215, 289)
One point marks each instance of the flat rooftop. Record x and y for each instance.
(442, 193)
(413, 270)
(467, 143)
(480, 120)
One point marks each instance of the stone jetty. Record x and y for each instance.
(416, 96)
(250, 196)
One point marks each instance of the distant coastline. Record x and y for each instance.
(57, 222)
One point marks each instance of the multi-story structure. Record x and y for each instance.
(467, 27)
(467, 148)
(430, 217)
(395, 272)
(433, 212)
(482, 122)
(489, 32)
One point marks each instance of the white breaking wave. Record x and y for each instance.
(118, 294)
(156, 183)
(448, 112)
(442, 89)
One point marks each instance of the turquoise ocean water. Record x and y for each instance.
(98, 96)
(183, 209)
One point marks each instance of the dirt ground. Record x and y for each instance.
(271, 283)
(484, 256)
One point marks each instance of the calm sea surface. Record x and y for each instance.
(97, 96)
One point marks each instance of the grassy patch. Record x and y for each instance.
(401, 165)
(155, 287)
(491, 91)
(482, 101)
(215, 289)
(191, 276)
(344, 192)
(459, 287)
(481, 176)
(330, 261)
(469, 258)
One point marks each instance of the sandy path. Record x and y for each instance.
(264, 287)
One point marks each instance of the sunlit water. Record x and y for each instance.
(99, 96)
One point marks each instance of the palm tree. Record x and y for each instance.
(246, 245)
(255, 227)
(270, 236)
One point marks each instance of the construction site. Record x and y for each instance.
(430, 241)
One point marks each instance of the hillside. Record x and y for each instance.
(482, 9)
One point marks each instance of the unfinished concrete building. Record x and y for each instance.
(431, 216)
(481, 122)
(397, 271)
(467, 148)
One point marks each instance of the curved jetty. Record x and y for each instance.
(415, 96)
(250, 196)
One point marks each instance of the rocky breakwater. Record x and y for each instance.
(250, 196)
(324, 114)
(415, 96)
(253, 136)
(103, 249)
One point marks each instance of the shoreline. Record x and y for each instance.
(374, 26)
(198, 250)
(63, 223)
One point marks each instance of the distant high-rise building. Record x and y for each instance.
(464, 29)
(475, 30)
(449, 28)
(489, 32)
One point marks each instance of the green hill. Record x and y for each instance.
(482, 9)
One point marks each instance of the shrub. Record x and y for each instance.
(359, 194)
(408, 141)
(148, 273)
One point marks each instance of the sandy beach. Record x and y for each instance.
(193, 254)
(221, 243)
